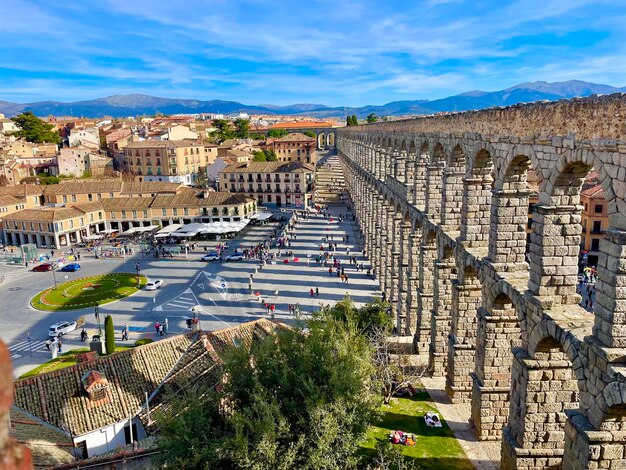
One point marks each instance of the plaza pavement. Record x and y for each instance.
(188, 283)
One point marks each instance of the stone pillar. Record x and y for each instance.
(542, 390)
(403, 277)
(452, 200)
(498, 333)
(554, 248)
(466, 299)
(440, 323)
(507, 230)
(409, 178)
(428, 254)
(434, 188)
(400, 166)
(395, 246)
(412, 307)
(420, 180)
(610, 305)
(475, 211)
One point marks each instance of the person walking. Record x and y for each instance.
(312, 292)
(59, 344)
(156, 327)
(330, 272)
(317, 292)
(48, 343)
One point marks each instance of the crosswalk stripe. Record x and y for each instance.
(18, 344)
(26, 347)
(15, 356)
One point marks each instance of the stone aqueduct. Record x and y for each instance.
(442, 203)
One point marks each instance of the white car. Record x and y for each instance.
(235, 257)
(62, 328)
(154, 285)
(213, 256)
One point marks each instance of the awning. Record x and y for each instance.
(93, 237)
(169, 229)
(109, 230)
(263, 216)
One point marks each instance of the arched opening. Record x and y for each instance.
(453, 191)
(434, 182)
(476, 205)
(543, 388)
(499, 331)
(409, 172)
(321, 141)
(331, 139)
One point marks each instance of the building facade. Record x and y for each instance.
(294, 147)
(595, 221)
(271, 183)
(170, 161)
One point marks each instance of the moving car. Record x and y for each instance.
(212, 256)
(62, 328)
(71, 268)
(42, 268)
(235, 257)
(154, 285)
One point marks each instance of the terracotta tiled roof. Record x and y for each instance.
(54, 214)
(267, 167)
(49, 445)
(190, 197)
(168, 365)
(594, 192)
(85, 187)
(10, 201)
(22, 190)
(295, 137)
(124, 203)
(171, 144)
(150, 187)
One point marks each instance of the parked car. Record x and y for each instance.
(71, 268)
(62, 328)
(212, 256)
(42, 268)
(154, 285)
(236, 256)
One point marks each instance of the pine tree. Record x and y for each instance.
(109, 334)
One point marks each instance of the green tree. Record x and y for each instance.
(348, 120)
(277, 133)
(223, 130)
(257, 136)
(259, 156)
(242, 128)
(295, 400)
(202, 180)
(368, 320)
(35, 130)
(310, 134)
(371, 117)
(109, 334)
(270, 155)
(355, 121)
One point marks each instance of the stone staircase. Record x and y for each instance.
(329, 181)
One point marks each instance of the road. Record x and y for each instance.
(221, 290)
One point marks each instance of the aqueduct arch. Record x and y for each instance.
(443, 206)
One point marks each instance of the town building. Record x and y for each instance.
(595, 221)
(87, 137)
(278, 184)
(173, 161)
(81, 161)
(102, 404)
(64, 214)
(294, 147)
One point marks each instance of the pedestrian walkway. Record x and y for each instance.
(485, 455)
(184, 301)
(23, 348)
(329, 181)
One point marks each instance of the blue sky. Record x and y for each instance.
(339, 52)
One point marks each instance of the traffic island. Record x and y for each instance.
(88, 292)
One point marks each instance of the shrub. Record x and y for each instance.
(142, 341)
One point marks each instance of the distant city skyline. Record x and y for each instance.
(349, 53)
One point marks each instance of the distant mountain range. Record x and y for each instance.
(136, 104)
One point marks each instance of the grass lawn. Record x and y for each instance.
(64, 360)
(87, 292)
(435, 449)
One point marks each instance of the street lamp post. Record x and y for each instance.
(54, 275)
(97, 313)
(137, 268)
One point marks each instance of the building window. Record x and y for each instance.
(111, 195)
(175, 211)
(71, 224)
(595, 244)
(186, 211)
(90, 197)
(64, 199)
(73, 197)
(123, 214)
(134, 214)
(145, 214)
(164, 212)
(597, 226)
(598, 209)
